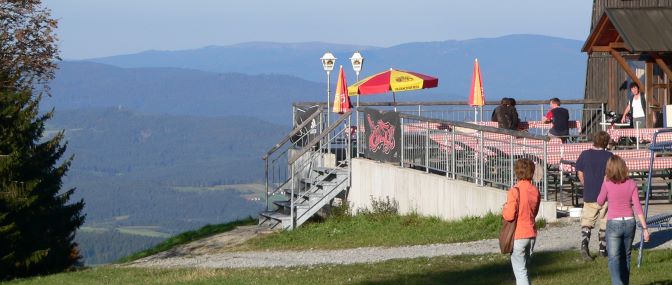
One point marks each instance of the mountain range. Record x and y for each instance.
(521, 66)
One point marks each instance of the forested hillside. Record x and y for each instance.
(145, 177)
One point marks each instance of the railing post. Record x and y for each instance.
(452, 150)
(545, 179)
(481, 159)
(511, 170)
(266, 175)
(349, 151)
(603, 117)
(401, 122)
(427, 148)
(291, 197)
(447, 150)
(636, 133)
(357, 128)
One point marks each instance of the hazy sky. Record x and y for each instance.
(95, 28)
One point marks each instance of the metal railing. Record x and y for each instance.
(309, 145)
(480, 154)
(276, 167)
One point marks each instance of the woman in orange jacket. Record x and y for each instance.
(522, 203)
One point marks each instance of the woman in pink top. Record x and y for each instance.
(621, 192)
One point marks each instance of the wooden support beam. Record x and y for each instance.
(621, 61)
(600, 49)
(662, 85)
(617, 45)
(661, 63)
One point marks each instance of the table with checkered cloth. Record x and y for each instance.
(635, 164)
(533, 125)
(644, 134)
(422, 127)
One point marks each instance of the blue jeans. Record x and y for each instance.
(522, 250)
(620, 234)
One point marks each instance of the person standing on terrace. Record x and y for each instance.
(636, 104)
(591, 166)
(522, 203)
(559, 116)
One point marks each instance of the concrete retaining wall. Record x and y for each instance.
(427, 194)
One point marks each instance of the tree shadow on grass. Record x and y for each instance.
(494, 272)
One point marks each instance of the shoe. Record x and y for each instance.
(603, 250)
(585, 253)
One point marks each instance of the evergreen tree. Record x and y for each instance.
(37, 225)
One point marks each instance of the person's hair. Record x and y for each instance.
(617, 171)
(601, 139)
(555, 101)
(524, 169)
(504, 101)
(513, 101)
(634, 84)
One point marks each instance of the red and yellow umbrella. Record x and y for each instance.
(476, 96)
(341, 99)
(392, 80)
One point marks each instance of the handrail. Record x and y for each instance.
(320, 137)
(455, 103)
(291, 134)
(474, 127)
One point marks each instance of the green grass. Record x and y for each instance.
(545, 268)
(190, 236)
(379, 230)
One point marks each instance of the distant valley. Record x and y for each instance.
(146, 177)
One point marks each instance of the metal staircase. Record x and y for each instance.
(306, 170)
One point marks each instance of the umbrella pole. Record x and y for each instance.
(481, 113)
(394, 98)
(475, 114)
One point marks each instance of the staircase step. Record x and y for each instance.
(330, 170)
(276, 216)
(288, 204)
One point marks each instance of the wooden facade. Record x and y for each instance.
(607, 80)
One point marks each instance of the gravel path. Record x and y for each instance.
(562, 236)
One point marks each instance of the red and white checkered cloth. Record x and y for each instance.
(533, 125)
(644, 134)
(637, 160)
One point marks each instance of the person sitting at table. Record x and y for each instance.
(636, 104)
(506, 115)
(559, 116)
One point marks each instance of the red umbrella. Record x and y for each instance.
(341, 99)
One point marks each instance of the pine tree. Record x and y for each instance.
(37, 225)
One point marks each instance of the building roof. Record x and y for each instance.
(638, 29)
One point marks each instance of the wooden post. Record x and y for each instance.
(648, 93)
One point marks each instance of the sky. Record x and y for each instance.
(98, 28)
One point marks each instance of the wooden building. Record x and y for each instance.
(630, 41)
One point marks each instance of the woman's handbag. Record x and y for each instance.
(508, 230)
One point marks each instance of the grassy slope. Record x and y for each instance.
(190, 236)
(546, 268)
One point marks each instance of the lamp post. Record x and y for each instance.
(328, 62)
(357, 62)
